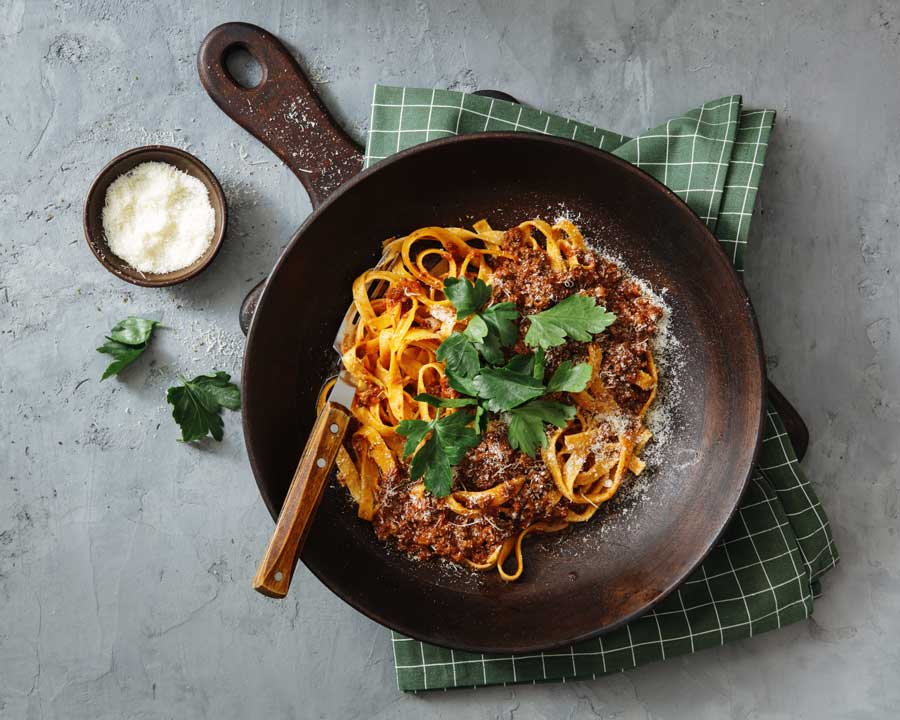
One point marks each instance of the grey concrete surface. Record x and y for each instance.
(125, 557)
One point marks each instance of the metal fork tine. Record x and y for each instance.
(351, 317)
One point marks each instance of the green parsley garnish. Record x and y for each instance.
(488, 330)
(440, 402)
(497, 329)
(578, 317)
(460, 358)
(570, 378)
(467, 297)
(197, 404)
(526, 423)
(503, 389)
(451, 437)
(477, 367)
(126, 342)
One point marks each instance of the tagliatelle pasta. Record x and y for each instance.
(499, 495)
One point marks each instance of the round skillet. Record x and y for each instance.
(580, 583)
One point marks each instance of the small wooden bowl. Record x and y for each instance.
(96, 197)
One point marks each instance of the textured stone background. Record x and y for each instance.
(125, 557)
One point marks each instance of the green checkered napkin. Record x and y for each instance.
(765, 570)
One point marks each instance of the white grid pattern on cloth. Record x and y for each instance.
(516, 125)
(430, 109)
(810, 504)
(400, 125)
(545, 655)
(709, 590)
(750, 190)
(687, 192)
(708, 217)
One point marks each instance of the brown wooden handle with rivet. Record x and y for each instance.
(273, 577)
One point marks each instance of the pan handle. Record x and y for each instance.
(796, 429)
(283, 111)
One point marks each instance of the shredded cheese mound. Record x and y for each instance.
(158, 218)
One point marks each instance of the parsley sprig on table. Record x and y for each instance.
(126, 342)
(197, 404)
(477, 368)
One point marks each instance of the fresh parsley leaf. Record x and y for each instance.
(435, 466)
(459, 356)
(197, 404)
(477, 329)
(503, 389)
(578, 317)
(526, 433)
(555, 413)
(481, 419)
(463, 385)
(467, 297)
(490, 348)
(220, 389)
(492, 330)
(528, 364)
(125, 343)
(451, 437)
(540, 362)
(133, 330)
(474, 363)
(486, 332)
(482, 340)
(440, 402)
(501, 320)
(414, 431)
(521, 364)
(496, 328)
(455, 435)
(526, 423)
(123, 355)
(570, 378)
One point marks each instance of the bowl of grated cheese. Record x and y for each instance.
(155, 216)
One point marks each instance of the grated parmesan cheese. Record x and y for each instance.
(158, 218)
(442, 313)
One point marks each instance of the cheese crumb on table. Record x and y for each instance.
(158, 218)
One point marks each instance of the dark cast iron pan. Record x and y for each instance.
(576, 584)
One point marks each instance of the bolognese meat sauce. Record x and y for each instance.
(422, 525)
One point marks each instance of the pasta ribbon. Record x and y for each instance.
(391, 352)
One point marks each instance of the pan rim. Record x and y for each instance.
(756, 358)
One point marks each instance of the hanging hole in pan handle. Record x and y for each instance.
(283, 110)
(243, 69)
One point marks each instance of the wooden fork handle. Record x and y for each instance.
(273, 577)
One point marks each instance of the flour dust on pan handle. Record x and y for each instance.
(283, 111)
